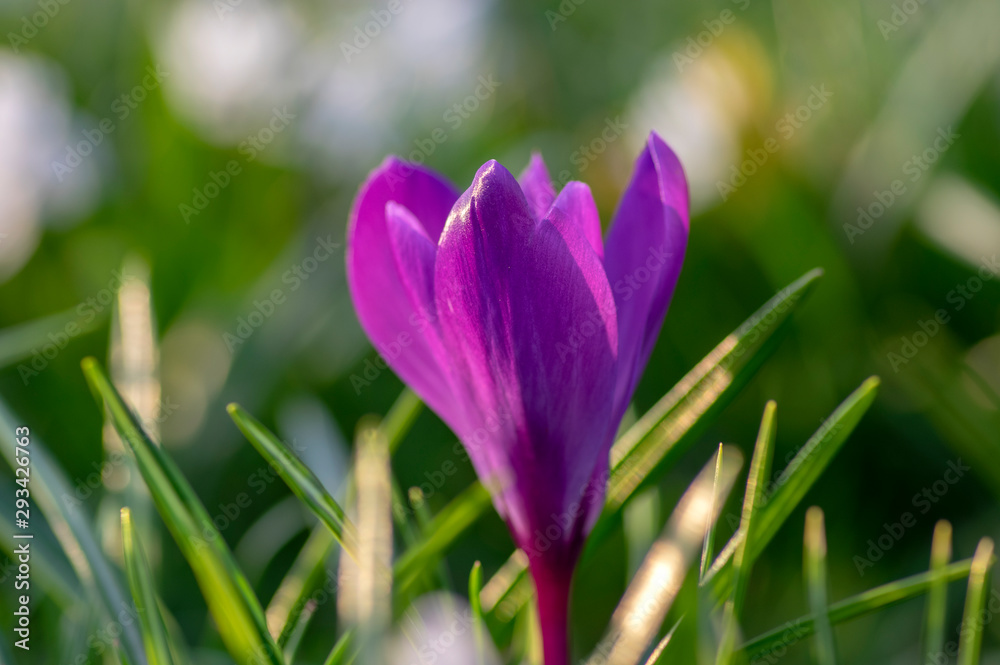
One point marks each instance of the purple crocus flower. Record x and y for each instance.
(525, 332)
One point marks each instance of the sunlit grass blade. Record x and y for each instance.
(505, 592)
(815, 576)
(971, 638)
(667, 430)
(649, 596)
(864, 603)
(54, 496)
(708, 546)
(290, 607)
(446, 526)
(656, 658)
(227, 593)
(475, 587)
(298, 477)
(937, 595)
(365, 602)
(797, 478)
(760, 471)
(154, 631)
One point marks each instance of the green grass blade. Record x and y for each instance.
(54, 496)
(400, 418)
(815, 574)
(638, 617)
(342, 653)
(446, 526)
(298, 477)
(140, 579)
(864, 603)
(760, 471)
(475, 588)
(504, 593)
(290, 609)
(666, 431)
(798, 477)
(971, 638)
(708, 548)
(937, 595)
(227, 593)
(425, 520)
(656, 657)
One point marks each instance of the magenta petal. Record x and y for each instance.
(537, 186)
(643, 256)
(388, 273)
(528, 317)
(577, 203)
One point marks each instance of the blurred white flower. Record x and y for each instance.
(438, 630)
(36, 123)
(230, 64)
(372, 79)
(960, 219)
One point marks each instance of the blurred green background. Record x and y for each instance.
(211, 150)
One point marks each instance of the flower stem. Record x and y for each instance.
(552, 588)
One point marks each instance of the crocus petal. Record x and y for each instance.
(577, 203)
(643, 256)
(387, 273)
(537, 186)
(528, 316)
